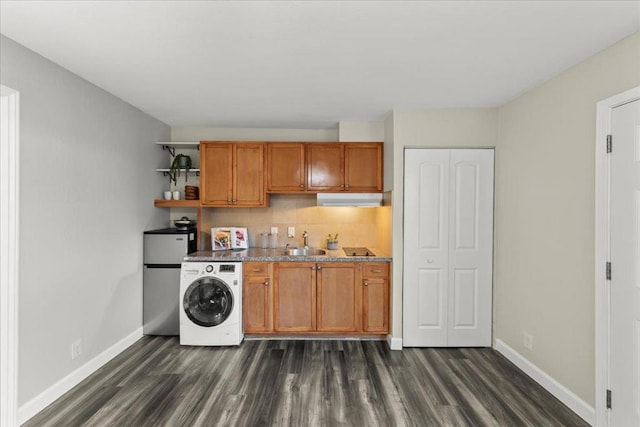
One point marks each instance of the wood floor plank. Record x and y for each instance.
(157, 382)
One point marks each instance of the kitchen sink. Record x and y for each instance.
(304, 252)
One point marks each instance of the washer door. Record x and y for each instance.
(208, 301)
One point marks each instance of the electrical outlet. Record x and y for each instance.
(274, 230)
(527, 339)
(76, 349)
(291, 232)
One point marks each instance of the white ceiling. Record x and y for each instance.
(310, 64)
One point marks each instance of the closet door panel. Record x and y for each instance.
(426, 248)
(448, 247)
(471, 248)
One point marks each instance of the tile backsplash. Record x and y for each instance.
(355, 226)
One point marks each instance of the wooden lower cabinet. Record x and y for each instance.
(257, 297)
(375, 297)
(337, 305)
(294, 297)
(309, 297)
(375, 305)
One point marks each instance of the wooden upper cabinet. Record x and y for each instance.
(314, 167)
(363, 167)
(325, 167)
(216, 174)
(285, 167)
(248, 173)
(232, 174)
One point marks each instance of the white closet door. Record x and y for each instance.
(426, 247)
(448, 246)
(470, 248)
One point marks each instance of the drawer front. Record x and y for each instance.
(375, 269)
(256, 269)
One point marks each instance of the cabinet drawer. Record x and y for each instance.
(256, 269)
(375, 270)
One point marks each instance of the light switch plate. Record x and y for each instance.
(291, 232)
(274, 230)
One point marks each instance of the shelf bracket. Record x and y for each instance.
(171, 177)
(170, 149)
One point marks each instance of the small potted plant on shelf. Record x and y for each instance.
(180, 162)
(332, 242)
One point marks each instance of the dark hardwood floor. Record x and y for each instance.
(156, 382)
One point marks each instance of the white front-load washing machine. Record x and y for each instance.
(211, 303)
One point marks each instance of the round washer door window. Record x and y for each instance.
(208, 301)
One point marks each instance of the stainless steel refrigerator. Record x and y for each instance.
(163, 253)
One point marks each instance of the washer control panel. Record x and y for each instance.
(229, 269)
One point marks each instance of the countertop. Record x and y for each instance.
(258, 254)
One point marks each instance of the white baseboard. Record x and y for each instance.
(44, 399)
(394, 343)
(562, 393)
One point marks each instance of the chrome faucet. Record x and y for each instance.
(305, 239)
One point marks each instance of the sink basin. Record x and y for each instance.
(304, 252)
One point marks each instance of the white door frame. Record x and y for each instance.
(602, 248)
(9, 228)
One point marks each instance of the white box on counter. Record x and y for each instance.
(225, 238)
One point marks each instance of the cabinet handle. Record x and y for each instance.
(341, 185)
(366, 283)
(319, 268)
(256, 270)
(347, 185)
(375, 271)
(266, 283)
(228, 200)
(234, 200)
(313, 268)
(301, 185)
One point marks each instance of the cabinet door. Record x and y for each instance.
(257, 304)
(216, 160)
(248, 175)
(285, 167)
(375, 305)
(337, 297)
(294, 296)
(363, 167)
(325, 167)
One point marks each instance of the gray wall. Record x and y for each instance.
(545, 198)
(87, 185)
